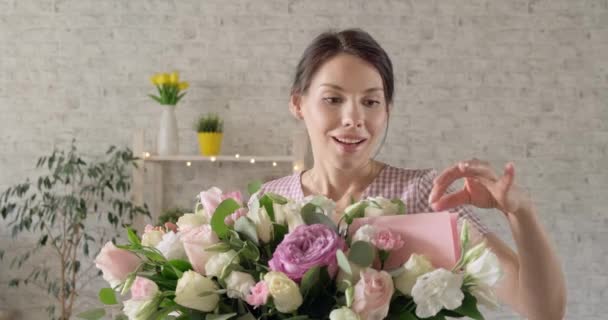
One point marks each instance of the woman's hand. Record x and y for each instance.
(482, 188)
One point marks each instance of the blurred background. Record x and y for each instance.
(500, 80)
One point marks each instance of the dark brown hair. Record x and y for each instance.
(351, 41)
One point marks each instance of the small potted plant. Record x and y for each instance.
(209, 128)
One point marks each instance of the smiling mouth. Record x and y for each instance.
(349, 141)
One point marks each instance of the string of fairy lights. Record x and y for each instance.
(252, 160)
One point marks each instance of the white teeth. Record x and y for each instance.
(349, 141)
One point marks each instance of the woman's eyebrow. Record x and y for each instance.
(337, 87)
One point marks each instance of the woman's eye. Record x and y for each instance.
(371, 103)
(332, 100)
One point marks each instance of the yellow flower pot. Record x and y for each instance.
(210, 143)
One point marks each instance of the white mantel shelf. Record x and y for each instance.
(223, 158)
(153, 164)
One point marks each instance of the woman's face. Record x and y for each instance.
(344, 111)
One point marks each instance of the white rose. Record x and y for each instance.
(380, 206)
(239, 284)
(189, 289)
(191, 220)
(327, 205)
(289, 214)
(285, 293)
(436, 290)
(263, 224)
(217, 262)
(343, 313)
(171, 246)
(365, 233)
(415, 266)
(140, 309)
(485, 271)
(152, 238)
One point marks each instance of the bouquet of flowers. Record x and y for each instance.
(275, 258)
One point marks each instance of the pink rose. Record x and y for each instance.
(385, 239)
(195, 241)
(212, 198)
(373, 294)
(170, 226)
(143, 289)
(259, 295)
(116, 264)
(306, 247)
(231, 219)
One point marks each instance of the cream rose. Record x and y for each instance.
(415, 266)
(284, 291)
(189, 289)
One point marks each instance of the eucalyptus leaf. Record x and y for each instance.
(343, 262)
(361, 253)
(107, 296)
(254, 187)
(310, 280)
(224, 209)
(311, 216)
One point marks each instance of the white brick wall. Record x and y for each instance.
(521, 80)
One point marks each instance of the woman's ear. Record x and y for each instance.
(295, 106)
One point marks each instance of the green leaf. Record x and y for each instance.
(311, 215)
(276, 198)
(93, 314)
(401, 205)
(343, 262)
(219, 247)
(267, 203)
(469, 307)
(310, 280)
(247, 227)
(133, 238)
(181, 265)
(250, 251)
(226, 208)
(107, 296)
(361, 253)
(211, 316)
(407, 315)
(254, 187)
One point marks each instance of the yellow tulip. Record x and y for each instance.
(153, 79)
(174, 78)
(162, 79)
(183, 85)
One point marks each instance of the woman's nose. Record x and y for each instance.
(352, 116)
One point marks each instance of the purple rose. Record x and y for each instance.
(306, 247)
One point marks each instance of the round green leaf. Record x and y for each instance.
(361, 253)
(107, 296)
(226, 208)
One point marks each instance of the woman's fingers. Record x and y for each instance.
(473, 169)
(451, 200)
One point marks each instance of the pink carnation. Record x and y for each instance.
(259, 295)
(385, 239)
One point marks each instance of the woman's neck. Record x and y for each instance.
(336, 183)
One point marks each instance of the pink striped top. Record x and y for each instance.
(412, 186)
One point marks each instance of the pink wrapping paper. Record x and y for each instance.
(434, 235)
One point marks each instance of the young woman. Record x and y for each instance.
(343, 91)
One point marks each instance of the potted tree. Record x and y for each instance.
(209, 128)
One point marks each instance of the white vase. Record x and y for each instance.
(168, 141)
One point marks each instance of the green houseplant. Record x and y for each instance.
(210, 129)
(69, 208)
